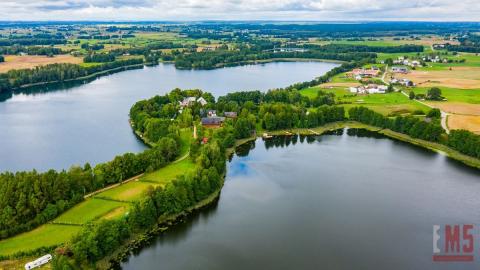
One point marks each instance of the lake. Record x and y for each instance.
(54, 129)
(347, 200)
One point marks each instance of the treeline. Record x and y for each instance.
(32, 41)
(101, 239)
(283, 116)
(92, 47)
(99, 58)
(347, 48)
(470, 44)
(30, 50)
(56, 73)
(2, 59)
(28, 199)
(236, 100)
(465, 142)
(463, 48)
(214, 59)
(412, 126)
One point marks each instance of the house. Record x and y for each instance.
(211, 113)
(230, 114)
(364, 72)
(415, 63)
(189, 101)
(369, 89)
(202, 101)
(400, 69)
(212, 121)
(407, 82)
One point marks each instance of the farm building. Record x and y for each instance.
(369, 89)
(400, 69)
(361, 72)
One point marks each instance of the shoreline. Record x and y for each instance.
(431, 146)
(91, 76)
(261, 61)
(167, 222)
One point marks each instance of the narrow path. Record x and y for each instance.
(444, 115)
(130, 179)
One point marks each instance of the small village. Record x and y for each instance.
(210, 118)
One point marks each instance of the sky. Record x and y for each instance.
(188, 10)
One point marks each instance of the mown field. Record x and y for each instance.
(109, 204)
(101, 206)
(31, 61)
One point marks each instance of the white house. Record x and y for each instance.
(202, 101)
(369, 89)
(38, 262)
(189, 101)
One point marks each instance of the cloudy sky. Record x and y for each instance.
(318, 10)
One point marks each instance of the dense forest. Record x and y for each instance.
(218, 58)
(465, 142)
(30, 50)
(346, 48)
(412, 126)
(99, 58)
(56, 73)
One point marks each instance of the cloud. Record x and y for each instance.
(322, 10)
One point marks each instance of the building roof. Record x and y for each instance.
(213, 120)
(230, 114)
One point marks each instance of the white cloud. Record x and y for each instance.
(443, 10)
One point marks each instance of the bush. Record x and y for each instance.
(434, 113)
(418, 112)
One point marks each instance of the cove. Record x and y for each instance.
(350, 199)
(59, 127)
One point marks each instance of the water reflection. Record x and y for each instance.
(348, 200)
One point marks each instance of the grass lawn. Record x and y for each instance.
(457, 95)
(45, 235)
(186, 136)
(88, 210)
(391, 103)
(169, 172)
(126, 192)
(91, 209)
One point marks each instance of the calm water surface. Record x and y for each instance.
(89, 123)
(329, 202)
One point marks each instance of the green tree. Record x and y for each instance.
(411, 95)
(434, 113)
(434, 93)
